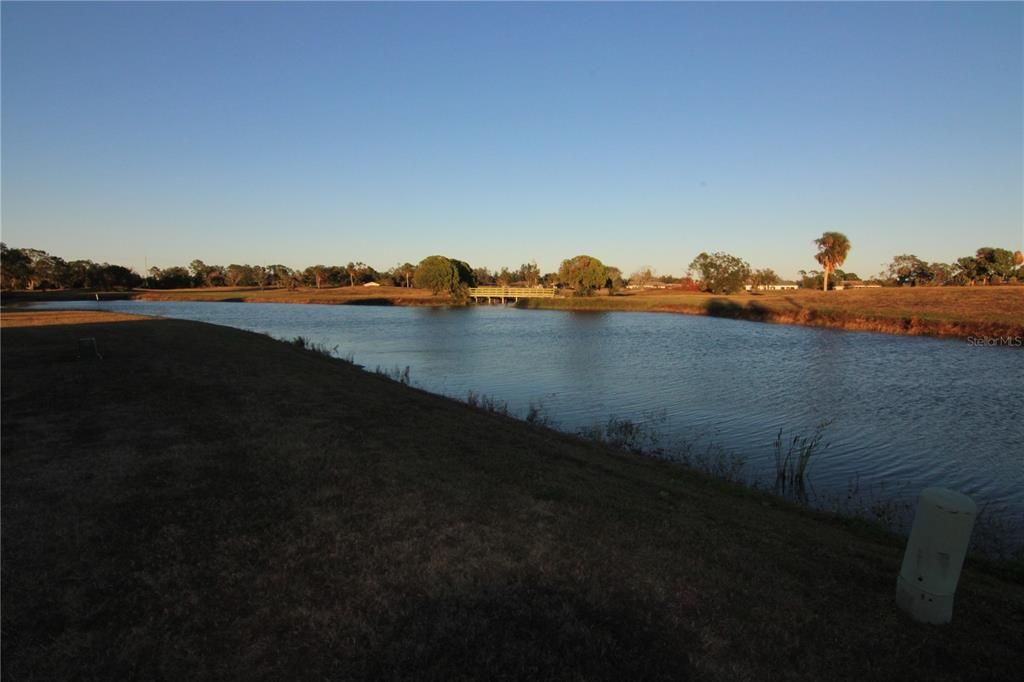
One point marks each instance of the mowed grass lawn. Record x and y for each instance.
(207, 503)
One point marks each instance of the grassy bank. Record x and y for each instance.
(210, 503)
(931, 311)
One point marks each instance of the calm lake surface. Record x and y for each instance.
(906, 412)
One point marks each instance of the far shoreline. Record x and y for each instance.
(981, 313)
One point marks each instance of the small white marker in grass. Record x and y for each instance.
(935, 554)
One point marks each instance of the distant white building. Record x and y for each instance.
(648, 285)
(773, 287)
(372, 284)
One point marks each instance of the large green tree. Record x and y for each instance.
(994, 265)
(613, 279)
(32, 269)
(237, 275)
(443, 274)
(909, 269)
(720, 273)
(965, 270)
(833, 248)
(942, 273)
(583, 273)
(359, 273)
(15, 266)
(483, 276)
(529, 273)
(763, 278)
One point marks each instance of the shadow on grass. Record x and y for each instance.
(795, 303)
(723, 307)
(370, 301)
(529, 630)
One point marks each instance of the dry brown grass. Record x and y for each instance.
(209, 503)
(933, 311)
(13, 319)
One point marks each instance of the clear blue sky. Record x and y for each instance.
(500, 133)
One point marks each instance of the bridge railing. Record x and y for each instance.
(511, 292)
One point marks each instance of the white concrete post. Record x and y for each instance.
(935, 554)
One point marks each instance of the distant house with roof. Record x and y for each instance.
(781, 286)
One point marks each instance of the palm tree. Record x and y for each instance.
(832, 250)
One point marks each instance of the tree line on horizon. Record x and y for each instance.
(719, 272)
(724, 273)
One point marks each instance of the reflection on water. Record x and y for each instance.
(906, 410)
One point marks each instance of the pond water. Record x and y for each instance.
(904, 412)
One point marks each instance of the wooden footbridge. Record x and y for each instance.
(504, 294)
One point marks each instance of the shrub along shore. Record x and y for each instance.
(994, 312)
(204, 502)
